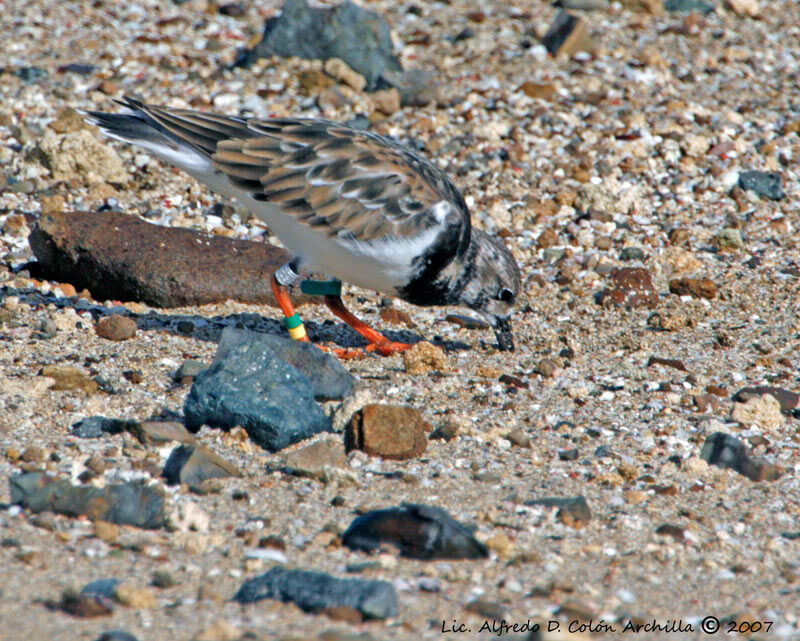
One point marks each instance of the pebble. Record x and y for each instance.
(79, 155)
(695, 287)
(157, 433)
(85, 606)
(116, 327)
(188, 516)
(631, 286)
(567, 36)
(396, 317)
(313, 460)
(728, 240)
(724, 450)
(390, 431)
(341, 71)
(424, 357)
(188, 370)
(768, 184)
(219, 630)
(193, 464)
(788, 400)
(249, 385)
(135, 597)
(487, 609)
(418, 531)
(763, 411)
(467, 322)
(69, 377)
(573, 512)
(108, 532)
(315, 591)
(116, 635)
(98, 426)
(518, 438)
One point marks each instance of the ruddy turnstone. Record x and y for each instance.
(351, 204)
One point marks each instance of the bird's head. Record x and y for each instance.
(493, 285)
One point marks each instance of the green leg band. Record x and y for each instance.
(290, 322)
(321, 287)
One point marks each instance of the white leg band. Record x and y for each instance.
(285, 275)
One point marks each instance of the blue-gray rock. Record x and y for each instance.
(768, 184)
(685, 6)
(116, 635)
(315, 592)
(132, 503)
(98, 426)
(250, 386)
(101, 587)
(193, 464)
(330, 380)
(418, 531)
(572, 511)
(359, 37)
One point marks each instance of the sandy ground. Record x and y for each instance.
(651, 133)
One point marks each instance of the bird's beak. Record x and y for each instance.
(502, 330)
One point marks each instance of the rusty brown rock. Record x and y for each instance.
(631, 286)
(391, 431)
(695, 287)
(69, 377)
(120, 257)
(116, 327)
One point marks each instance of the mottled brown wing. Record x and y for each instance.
(340, 181)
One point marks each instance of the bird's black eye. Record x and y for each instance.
(506, 295)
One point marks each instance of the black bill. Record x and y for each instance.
(505, 338)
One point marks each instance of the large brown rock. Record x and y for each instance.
(121, 257)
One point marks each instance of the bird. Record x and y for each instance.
(357, 206)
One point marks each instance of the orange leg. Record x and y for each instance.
(296, 329)
(377, 341)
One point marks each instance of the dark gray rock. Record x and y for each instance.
(189, 369)
(768, 184)
(685, 6)
(724, 450)
(193, 464)
(116, 635)
(330, 380)
(418, 531)
(98, 426)
(315, 592)
(359, 37)
(572, 511)
(250, 386)
(132, 503)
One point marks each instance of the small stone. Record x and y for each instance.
(547, 367)
(53, 204)
(418, 531)
(568, 455)
(631, 253)
(573, 512)
(45, 520)
(567, 36)
(108, 532)
(193, 464)
(15, 225)
(518, 438)
(219, 630)
(500, 544)
(728, 240)
(135, 597)
(487, 609)
(424, 357)
(84, 605)
(548, 238)
(116, 327)
(788, 400)
(160, 432)
(540, 90)
(634, 497)
(33, 454)
(80, 155)
(632, 287)
(447, 431)
(744, 7)
(188, 370)
(188, 516)
(116, 635)
(466, 322)
(674, 531)
(313, 81)
(667, 362)
(387, 101)
(341, 71)
(98, 426)
(724, 450)
(69, 377)
(654, 7)
(163, 579)
(417, 87)
(313, 460)
(396, 317)
(763, 411)
(390, 431)
(695, 287)
(314, 592)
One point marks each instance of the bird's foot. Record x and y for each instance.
(387, 347)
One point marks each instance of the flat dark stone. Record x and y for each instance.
(418, 531)
(330, 380)
(132, 503)
(101, 587)
(121, 257)
(315, 592)
(685, 6)
(359, 37)
(768, 184)
(250, 386)
(724, 450)
(116, 635)
(193, 464)
(98, 426)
